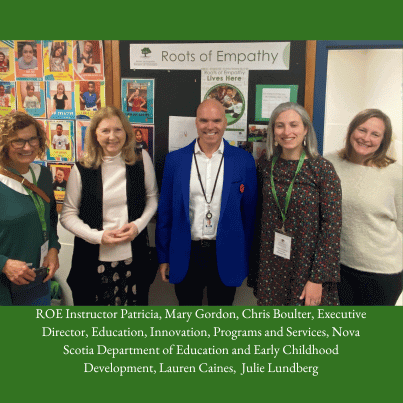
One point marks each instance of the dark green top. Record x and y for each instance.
(20, 228)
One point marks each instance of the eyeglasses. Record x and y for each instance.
(20, 143)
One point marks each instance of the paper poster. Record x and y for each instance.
(268, 97)
(259, 149)
(182, 131)
(7, 97)
(60, 99)
(61, 140)
(44, 124)
(60, 175)
(88, 60)
(144, 135)
(40, 162)
(90, 96)
(196, 56)
(138, 100)
(28, 60)
(57, 60)
(81, 128)
(31, 98)
(7, 61)
(230, 88)
(257, 132)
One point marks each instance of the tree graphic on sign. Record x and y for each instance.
(145, 51)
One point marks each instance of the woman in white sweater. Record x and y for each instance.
(111, 196)
(371, 236)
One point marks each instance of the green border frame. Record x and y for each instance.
(259, 91)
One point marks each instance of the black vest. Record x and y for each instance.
(85, 255)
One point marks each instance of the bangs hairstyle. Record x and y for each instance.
(379, 158)
(92, 149)
(311, 146)
(10, 125)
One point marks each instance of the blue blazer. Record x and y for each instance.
(235, 225)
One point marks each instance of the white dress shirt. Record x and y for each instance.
(198, 207)
(115, 213)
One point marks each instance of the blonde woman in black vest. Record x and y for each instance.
(110, 197)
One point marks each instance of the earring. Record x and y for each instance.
(304, 142)
(275, 144)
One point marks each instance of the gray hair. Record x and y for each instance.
(311, 146)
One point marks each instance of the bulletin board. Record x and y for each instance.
(178, 92)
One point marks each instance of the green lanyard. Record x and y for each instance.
(40, 207)
(289, 191)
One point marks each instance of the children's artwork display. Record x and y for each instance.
(28, 60)
(7, 59)
(60, 99)
(57, 60)
(182, 131)
(90, 96)
(31, 98)
(81, 128)
(61, 140)
(138, 100)
(7, 97)
(60, 175)
(144, 135)
(88, 60)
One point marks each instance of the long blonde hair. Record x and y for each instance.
(92, 149)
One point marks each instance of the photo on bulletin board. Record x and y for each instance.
(31, 98)
(259, 149)
(60, 176)
(61, 140)
(144, 135)
(81, 129)
(231, 98)
(268, 97)
(44, 124)
(28, 60)
(60, 99)
(7, 59)
(90, 96)
(7, 97)
(40, 162)
(88, 60)
(257, 132)
(57, 60)
(138, 100)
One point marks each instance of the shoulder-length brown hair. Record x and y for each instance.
(92, 149)
(10, 124)
(379, 158)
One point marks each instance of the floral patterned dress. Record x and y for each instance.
(313, 220)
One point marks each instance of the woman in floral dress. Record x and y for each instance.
(296, 253)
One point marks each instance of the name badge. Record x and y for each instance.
(44, 252)
(208, 226)
(282, 245)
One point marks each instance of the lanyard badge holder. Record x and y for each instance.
(40, 207)
(282, 240)
(208, 223)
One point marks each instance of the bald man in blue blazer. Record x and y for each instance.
(206, 213)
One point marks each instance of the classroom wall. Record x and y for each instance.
(360, 79)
